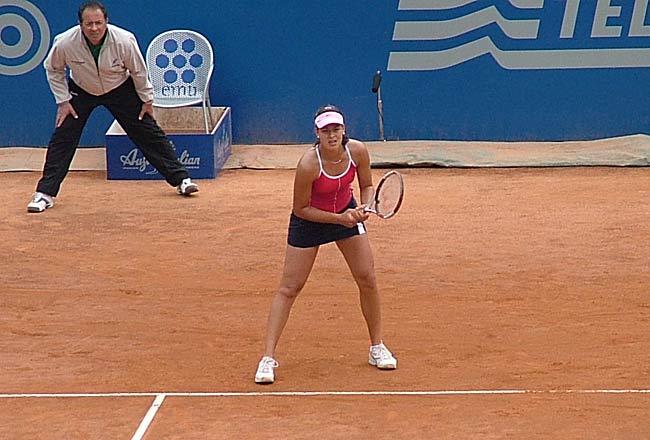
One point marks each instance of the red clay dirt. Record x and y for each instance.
(533, 280)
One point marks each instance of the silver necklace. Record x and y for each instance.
(334, 162)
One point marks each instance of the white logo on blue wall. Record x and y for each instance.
(178, 65)
(223, 143)
(24, 37)
(134, 160)
(448, 36)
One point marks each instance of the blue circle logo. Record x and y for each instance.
(170, 76)
(188, 76)
(179, 63)
(24, 37)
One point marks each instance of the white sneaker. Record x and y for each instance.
(381, 357)
(40, 202)
(265, 369)
(187, 187)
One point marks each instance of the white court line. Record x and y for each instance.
(160, 397)
(323, 393)
(144, 425)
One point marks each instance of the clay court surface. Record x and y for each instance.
(517, 301)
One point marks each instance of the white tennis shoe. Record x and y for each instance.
(187, 187)
(40, 202)
(265, 370)
(381, 357)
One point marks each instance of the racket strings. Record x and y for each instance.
(389, 195)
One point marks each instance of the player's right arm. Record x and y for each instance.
(64, 110)
(305, 175)
(55, 70)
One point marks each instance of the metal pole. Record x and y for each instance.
(380, 110)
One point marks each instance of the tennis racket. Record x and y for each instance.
(388, 195)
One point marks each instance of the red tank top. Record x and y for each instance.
(333, 193)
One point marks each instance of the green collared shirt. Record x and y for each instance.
(95, 49)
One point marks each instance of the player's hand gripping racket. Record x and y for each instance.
(388, 195)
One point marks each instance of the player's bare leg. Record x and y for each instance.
(298, 263)
(358, 255)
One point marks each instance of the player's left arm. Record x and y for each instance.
(137, 67)
(361, 157)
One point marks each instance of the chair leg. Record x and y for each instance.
(205, 120)
(207, 117)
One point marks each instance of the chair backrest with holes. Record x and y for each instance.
(180, 64)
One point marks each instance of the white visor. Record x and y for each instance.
(328, 118)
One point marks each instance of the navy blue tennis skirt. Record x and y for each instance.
(304, 233)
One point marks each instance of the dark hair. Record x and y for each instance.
(91, 5)
(327, 108)
(331, 108)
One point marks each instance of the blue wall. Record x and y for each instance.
(452, 69)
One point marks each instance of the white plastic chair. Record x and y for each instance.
(180, 64)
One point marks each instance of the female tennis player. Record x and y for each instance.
(325, 211)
